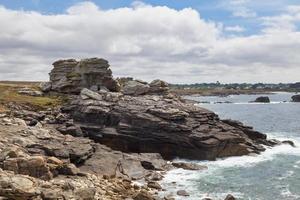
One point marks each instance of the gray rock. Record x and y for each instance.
(45, 86)
(262, 100)
(296, 98)
(230, 197)
(70, 76)
(182, 193)
(135, 88)
(91, 94)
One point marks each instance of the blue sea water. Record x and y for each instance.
(272, 175)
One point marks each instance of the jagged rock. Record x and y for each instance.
(262, 100)
(188, 166)
(70, 76)
(163, 124)
(296, 98)
(158, 86)
(135, 88)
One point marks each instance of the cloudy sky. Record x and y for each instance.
(180, 41)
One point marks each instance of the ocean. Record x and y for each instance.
(272, 175)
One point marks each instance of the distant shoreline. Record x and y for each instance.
(223, 92)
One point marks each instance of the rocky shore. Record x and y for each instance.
(112, 138)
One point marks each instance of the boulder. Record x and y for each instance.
(230, 197)
(262, 100)
(296, 98)
(70, 76)
(135, 88)
(182, 193)
(17, 187)
(158, 86)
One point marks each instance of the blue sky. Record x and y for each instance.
(180, 41)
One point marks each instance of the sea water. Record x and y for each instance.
(272, 175)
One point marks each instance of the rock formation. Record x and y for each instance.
(162, 124)
(108, 134)
(70, 76)
(262, 100)
(296, 98)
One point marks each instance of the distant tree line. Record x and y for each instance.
(241, 86)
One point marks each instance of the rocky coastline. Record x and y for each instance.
(111, 139)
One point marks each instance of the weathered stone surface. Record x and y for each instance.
(70, 76)
(163, 124)
(158, 86)
(135, 88)
(45, 86)
(296, 98)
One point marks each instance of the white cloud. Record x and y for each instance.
(244, 12)
(146, 42)
(237, 29)
(285, 22)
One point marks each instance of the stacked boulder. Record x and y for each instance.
(70, 76)
(138, 87)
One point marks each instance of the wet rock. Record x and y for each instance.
(262, 100)
(188, 166)
(230, 197)
(154, 185)
(182, 193)
(289, 142)
(296, 98)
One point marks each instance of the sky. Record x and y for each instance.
(180, 41)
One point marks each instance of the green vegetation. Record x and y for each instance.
(9, 94)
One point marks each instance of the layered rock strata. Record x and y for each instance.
(162, 124)
(70, 76)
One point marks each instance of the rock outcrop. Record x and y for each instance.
(262, 100)
(162, 124)
(70, 76)
(296, 98)
(137, 87)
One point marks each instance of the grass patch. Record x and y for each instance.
(9, 93)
